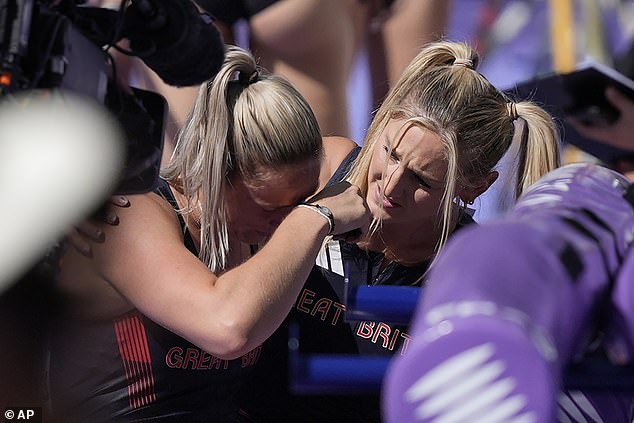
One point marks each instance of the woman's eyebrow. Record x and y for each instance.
(421, 174)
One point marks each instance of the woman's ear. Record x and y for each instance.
(469, 194)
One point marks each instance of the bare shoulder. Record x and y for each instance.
(148, 223)
(336, 149)
(82, 279)
(147, 213)
(148, 203)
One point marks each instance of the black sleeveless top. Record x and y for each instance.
(319, 314)
(129, 368)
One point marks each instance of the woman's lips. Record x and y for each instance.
(387, 202)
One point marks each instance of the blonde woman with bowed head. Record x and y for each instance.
(430, 151)
(167, 317)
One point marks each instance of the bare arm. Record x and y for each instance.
(145, 260)
(412, 24)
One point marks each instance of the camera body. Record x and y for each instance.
(43, 49)
(580, 94)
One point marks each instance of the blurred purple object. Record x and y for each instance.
(620, 335)
(510, 303)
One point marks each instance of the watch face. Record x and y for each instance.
(326, 210)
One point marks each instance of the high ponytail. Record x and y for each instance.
(539, 147)
(442, 91)
(242, 120)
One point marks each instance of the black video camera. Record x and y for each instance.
(61, 45)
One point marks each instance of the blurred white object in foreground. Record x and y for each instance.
(60, 157)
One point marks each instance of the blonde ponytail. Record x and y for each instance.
(539, 147)
(442, 91)
(243, 120)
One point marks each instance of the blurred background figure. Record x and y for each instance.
(289, 37)
(520, 39)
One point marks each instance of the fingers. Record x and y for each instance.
(79, 243)
(587, 131)
(86, 233)
(347, 203)
(618, 100)
(120, 201)
(92, 232)
(109, 216)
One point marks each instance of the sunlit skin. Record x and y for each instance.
(256, 207)
(406, 181)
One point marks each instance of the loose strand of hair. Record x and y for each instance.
(447, 201)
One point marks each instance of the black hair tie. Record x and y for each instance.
(248, 79)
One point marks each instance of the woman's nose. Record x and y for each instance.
(393, 181)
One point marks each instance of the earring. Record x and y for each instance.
(470, 202)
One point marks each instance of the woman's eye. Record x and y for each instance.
(393, 157)
(422, 182)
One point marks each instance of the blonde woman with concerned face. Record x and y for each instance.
(430, 151)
